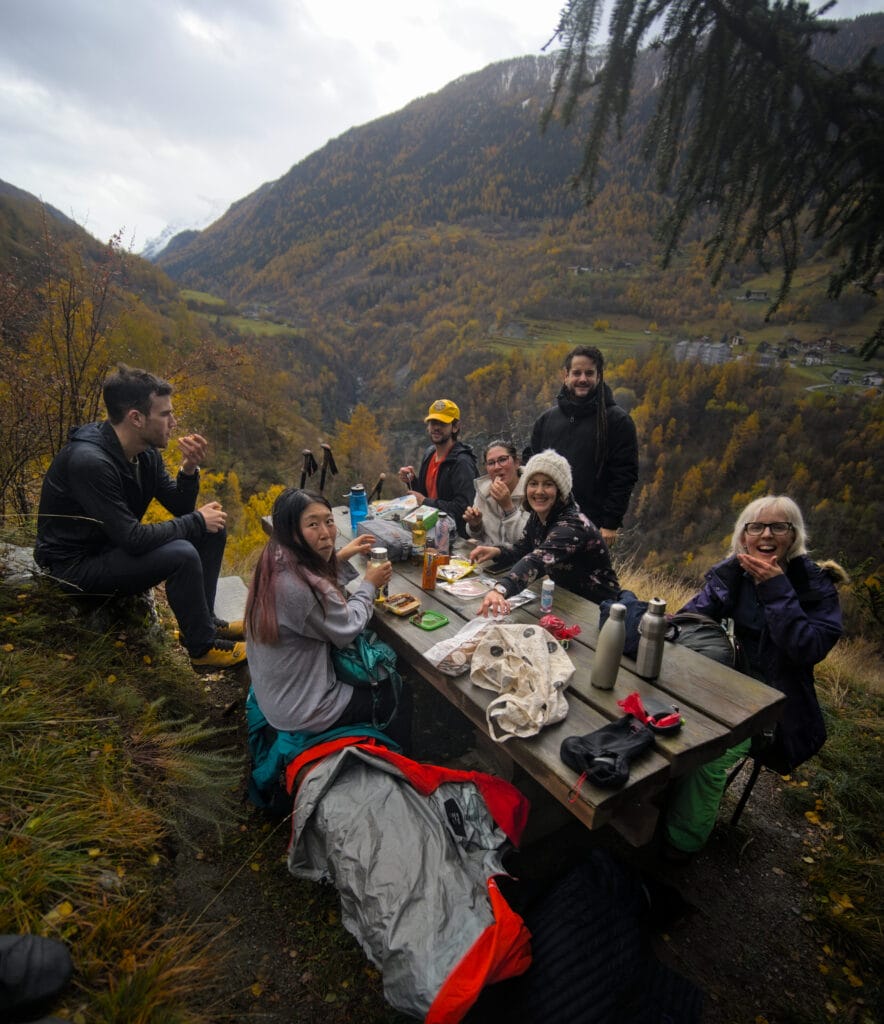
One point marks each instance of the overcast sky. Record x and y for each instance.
(133, 114)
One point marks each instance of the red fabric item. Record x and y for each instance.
(557, 627)
(632, 705)
(503, 950)
(431, 476)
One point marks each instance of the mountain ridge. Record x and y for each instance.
(469, 156)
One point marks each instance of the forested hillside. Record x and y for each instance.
(441, 250)
(71, 308)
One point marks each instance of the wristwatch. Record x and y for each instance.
(500, 588)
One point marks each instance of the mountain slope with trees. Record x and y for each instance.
(442, 250)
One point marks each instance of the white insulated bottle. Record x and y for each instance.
(606, 663)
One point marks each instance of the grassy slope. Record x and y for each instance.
(100, 786)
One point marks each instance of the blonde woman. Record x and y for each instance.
(787, 617)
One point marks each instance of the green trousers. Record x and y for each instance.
(693, 805)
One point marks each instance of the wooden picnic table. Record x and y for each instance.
(719, 705)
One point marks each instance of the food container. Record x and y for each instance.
(429, 620)
(402, 604)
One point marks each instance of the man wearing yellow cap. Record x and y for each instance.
(448, 472)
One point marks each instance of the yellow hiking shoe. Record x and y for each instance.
(229, 630)
(222, 654)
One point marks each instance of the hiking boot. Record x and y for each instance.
(222, 654)
(224, 630)
(228, 630)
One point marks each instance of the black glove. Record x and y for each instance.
(604, 756)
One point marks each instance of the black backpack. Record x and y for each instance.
(704, 635)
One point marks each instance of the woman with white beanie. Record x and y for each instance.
(559, 541)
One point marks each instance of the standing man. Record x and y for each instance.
(447, 477)
(597, 438)
(90, 536)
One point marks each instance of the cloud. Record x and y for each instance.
(134, 113)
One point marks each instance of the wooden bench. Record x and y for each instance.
(230, 598)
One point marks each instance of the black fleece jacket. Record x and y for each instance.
(455, 484)
(93, 499)
(570, 428)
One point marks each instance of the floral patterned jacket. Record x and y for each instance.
(568, 548)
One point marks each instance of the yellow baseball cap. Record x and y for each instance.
(443, 409)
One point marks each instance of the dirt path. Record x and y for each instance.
(736, 921)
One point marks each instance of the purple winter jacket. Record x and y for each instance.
(802, 624)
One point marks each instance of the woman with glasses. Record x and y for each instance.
(497, 515)
(787, 617)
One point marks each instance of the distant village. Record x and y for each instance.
(797, 352)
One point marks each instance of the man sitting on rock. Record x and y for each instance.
(89, 532)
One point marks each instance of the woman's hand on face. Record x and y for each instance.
(501, 494)
(760, 569)
(483, 553)
(493, 603)
(472, 516)
(379, 573)
(360, 545)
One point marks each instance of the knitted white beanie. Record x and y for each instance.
(553, 465)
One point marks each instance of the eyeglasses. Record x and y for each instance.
(491, 463)
(777, 529)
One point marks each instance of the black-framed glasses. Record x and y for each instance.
(777, 529)
(491, 463)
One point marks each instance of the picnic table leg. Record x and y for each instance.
(636, 822)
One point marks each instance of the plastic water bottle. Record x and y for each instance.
(650, 645)
(606, 663)
(358, 506)
(442, 536)
(546, 596)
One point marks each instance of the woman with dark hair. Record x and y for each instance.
(559, 541)
(497, 515)
(297, 608)
(787, 618)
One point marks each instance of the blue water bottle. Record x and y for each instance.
(358, 506)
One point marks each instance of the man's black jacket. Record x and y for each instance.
(93, 498)
(570, 428)
(455, 483)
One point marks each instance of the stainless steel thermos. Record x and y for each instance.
(653, 635)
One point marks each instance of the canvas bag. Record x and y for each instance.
(528, 669)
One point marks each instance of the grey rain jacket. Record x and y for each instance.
(413, 850)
